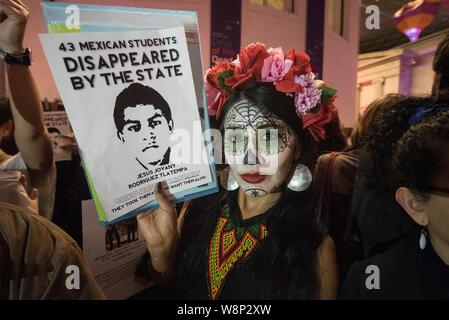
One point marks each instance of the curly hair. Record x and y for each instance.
(362, 129)
(387, 129)
(421, 154)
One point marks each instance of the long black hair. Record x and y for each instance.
(390, 125)
(284, 266)
(381, 219)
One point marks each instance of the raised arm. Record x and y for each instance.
(30, 133)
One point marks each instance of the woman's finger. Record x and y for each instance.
(163, 200)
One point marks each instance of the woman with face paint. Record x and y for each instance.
(417, 266)
(260, 238)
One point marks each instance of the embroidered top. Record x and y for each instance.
(232, 242)
(219, 253)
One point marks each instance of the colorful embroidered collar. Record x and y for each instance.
(230, 245)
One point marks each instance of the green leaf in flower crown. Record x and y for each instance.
(222, 76)
(327, 93)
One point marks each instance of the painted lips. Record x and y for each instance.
(253, 178)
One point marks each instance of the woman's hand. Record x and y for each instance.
(13, 16)
(160, 230)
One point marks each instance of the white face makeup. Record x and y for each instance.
(259, 148)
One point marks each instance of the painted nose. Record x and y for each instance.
(251, 157)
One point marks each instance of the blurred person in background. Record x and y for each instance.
(36, 256)
(335, 176)
(417, 266)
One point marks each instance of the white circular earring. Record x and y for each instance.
(423, 239)
(228, 180)
(301, 179)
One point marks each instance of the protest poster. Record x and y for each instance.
(58, 127)
(113, 253)
(131, 101)
(94, 18)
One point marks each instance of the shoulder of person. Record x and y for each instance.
(383, 276)
(34, 238)
(338, 167)
(340, 159)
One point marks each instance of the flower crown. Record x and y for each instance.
(291, 73)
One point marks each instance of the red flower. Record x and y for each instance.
(315, 123)
(216, 88)
(248, 65)
(288, 86)
(302, 63)
(300, 66)
(282, 71)
(215, 76)
(215, 100)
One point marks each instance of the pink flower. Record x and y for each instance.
(275, 67)
(310, 96)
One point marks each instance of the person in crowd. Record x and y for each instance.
(37, 259)
(40, 261)
(25, 118)
(378, 216)
(335, 175)
(417, 266)
(261, 238)
(335, 139)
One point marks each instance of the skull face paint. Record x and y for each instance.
(259, 148)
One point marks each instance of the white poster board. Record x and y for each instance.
(113, 253)
(131, 101)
